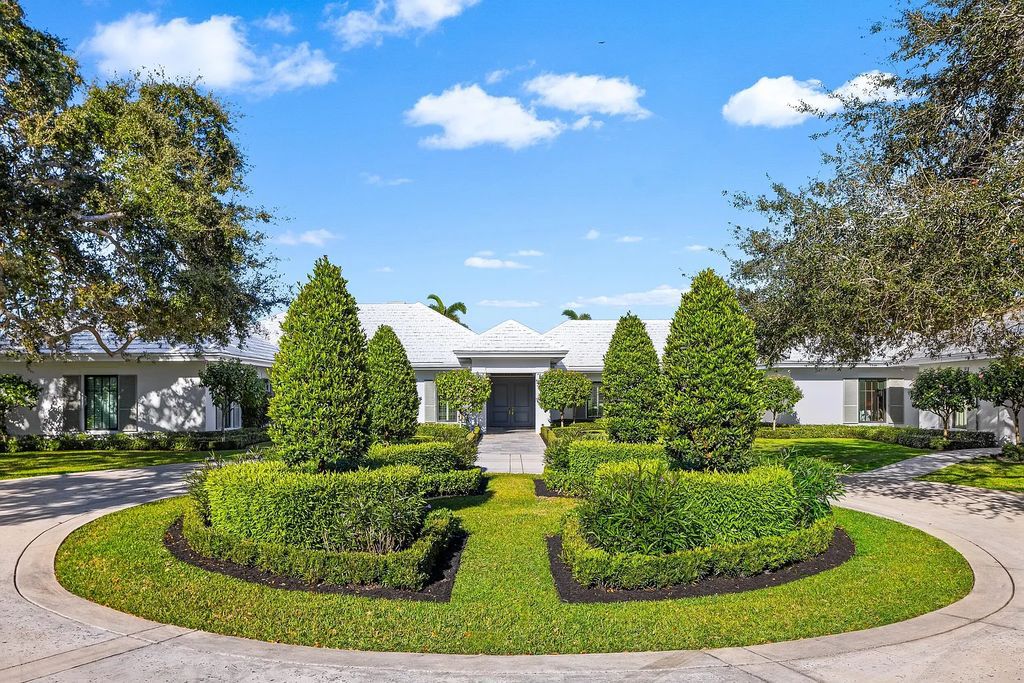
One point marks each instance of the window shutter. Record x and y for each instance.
(71, 388)
(851, 402)
(894, 402)
(127, 403)
(430, 401)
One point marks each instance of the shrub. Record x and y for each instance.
(454, 483)
(572, 463)
(430, 457)
(1002, 383)
(944, 391)
(911, 437)
(368, 510)
(439, 431)
(816, 483)
(464, 389)
(559, 389)
(394, 403)
(137, 441)
(631, 383)
(1012, 452)
(779, 394)
(15, 392)
(319, 410)
(711, 378)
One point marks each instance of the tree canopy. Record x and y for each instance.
(464, 390)
(394, 403)
(231, 382)
(779, 394)
(944, 391)
(631, 383)
(15, 392)
(571, 314)
(451, 312)
(559, 389)
(1002, 383)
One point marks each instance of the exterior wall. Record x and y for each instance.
(515, 366)
(823, 392)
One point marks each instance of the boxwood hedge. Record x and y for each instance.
(432, 457)
(570, 464)
(911, 437)
(454, 483)
(136, 441)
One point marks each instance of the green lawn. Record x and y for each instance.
(985, 473)
(859, 455)
(504, 599)
(36, 463)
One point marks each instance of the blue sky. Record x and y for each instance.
(496, 151)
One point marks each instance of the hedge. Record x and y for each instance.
(455, 483)
(379, 510)
(912, 437)
(431, 457)
(645, 507)
(235, 439)
(592, 566)
(411, 568)
(570, 465)
(441, 431)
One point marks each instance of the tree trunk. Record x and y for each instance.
(945, 426)
(1016, 427)
(561, 418)
(775, 419)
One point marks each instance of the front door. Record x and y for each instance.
(511, 405)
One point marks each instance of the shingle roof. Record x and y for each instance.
(587, 340)
(429, 338)
(255, 350)
(514, 338)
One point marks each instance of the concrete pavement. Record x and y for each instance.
(519, 451)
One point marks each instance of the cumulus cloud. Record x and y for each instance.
(314, 237)
(662, 295)
(630, 239)
(491, 263)
(591, 94)
(528, 252)
(592, 234)
(215, 50)
(381, 181)
(509, 303)
(278, 22)
(470, 117)
(776, 102)
(356, 28)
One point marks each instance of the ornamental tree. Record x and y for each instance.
(465, 390)
(779, 394)
(230, 382)
(712, 381)
(631, 383)
(944, 391)
(394, 403)
(320, 406)
(559, 389)
(15, 392)
(1002, 383)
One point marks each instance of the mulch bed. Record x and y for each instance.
(542, 490)
(439, 590)
(839, 551)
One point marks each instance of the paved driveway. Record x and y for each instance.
(514, 451)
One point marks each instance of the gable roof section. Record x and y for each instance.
(588, 340)
(511, 338)
(429, 338)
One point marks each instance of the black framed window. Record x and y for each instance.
(871, 395)
(101, 402)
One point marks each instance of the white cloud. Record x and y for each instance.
(528, 252)
(630, 239)
(585, 122)
(390, 18)
(384, 269)
(776, 102)
(592, 94)
(315, 237)
(509, 303)
(492, 263)
(215, 50)
(471, 117)
(278, 22)
(662, 295)
(696, 247)
(592, 234)
(496, 76)
(381, 181)
(484, 252)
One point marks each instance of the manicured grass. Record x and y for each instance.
(985, 473)
(504, 599)
(860, 455)
(36, 463)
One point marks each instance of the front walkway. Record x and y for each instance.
(518, 451)
(47, 633)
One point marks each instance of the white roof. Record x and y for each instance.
(587, 340)
(512, 338)
(429, 338)
(254, 350)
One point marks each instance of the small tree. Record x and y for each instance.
(944, 391)
(631, 383)
(394, 403)
(230, 382)
(779, 394)
(320, 407)
(1002, 383)
(15, 392)
(712, 405)
(465, 390)
(559, 389)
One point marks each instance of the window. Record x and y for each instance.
(446, 413)
(595, 407)
(100, 402)
(871, 403)
(234, 419)
(961, 418)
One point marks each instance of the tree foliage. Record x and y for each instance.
(15, 392)
(573, 315)
(320, 406)
(230, 382)
(120, 207)
(909, 241)
(712, 381)
(394, 403)
(631, 383)
(1002, 383)
(559, 389)
(779, 394)
(944, 391)
(465, 390)
(451, 312)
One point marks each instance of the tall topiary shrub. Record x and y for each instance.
(319, 410)
(559, 389)
(944, 391)
(394, 404)
(712, 381)
(631, 383)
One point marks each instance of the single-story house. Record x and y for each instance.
(156, 386)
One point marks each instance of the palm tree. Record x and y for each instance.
(573, 315)
(450, 312)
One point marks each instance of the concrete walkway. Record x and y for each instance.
(48, 634)
(515, 451)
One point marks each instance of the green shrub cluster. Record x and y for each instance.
(454, 483)
(137, 441)
(411, 568)
(815, 481)
(1012, 452)
(394, 403)
(911, 437)
(570, 464)
(643, 507)
(632, 384)
(433, 457)
(376, 511)
(452, 433)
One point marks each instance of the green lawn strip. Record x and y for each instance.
(37, 463)
(504, 600)
(860, 455)
(985, 473)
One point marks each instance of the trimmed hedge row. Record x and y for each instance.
(432, 457)
(570, 464)
(911, 437)
(236, 439)
(454, 483)
(410, 568)
(592, 566)
(451, 433)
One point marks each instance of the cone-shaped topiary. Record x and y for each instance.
(712, 402)
(394, 403)
(631, 383)
(320, 407)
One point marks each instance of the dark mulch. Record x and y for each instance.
(439, 590)
(839, 551)
(542, 490)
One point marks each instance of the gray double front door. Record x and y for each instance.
(511, 405)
